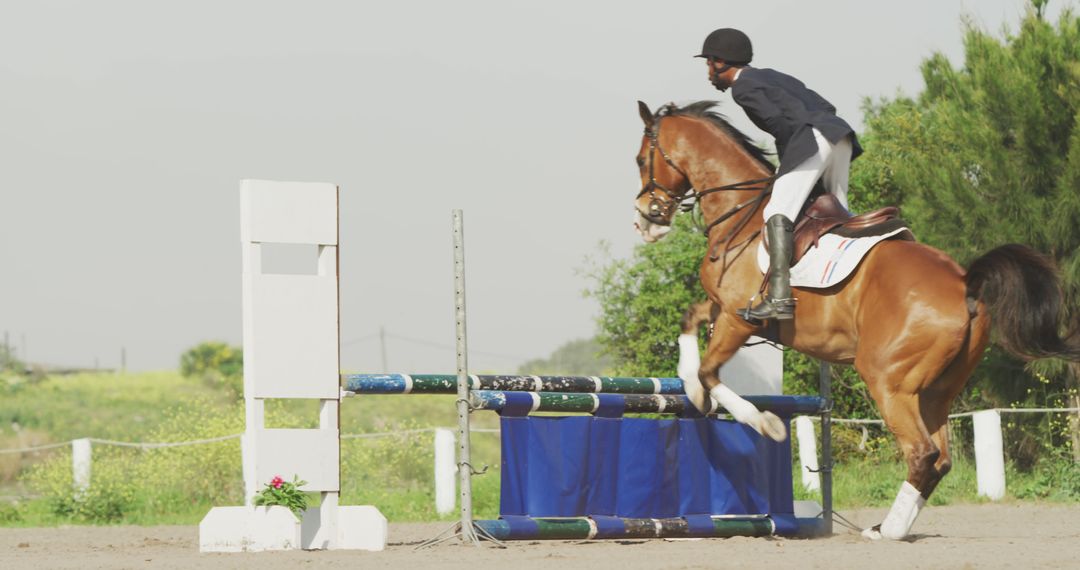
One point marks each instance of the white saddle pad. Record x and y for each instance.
(830, 262)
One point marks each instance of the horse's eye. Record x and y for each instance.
(640, 161)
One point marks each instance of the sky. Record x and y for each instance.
(126, 126)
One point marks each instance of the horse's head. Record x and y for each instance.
(663, 185)
(695, 141)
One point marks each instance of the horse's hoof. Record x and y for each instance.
(872, 533)
(772, 426)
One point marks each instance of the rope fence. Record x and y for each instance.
(373, 435)
(161, 445)
(988, 445)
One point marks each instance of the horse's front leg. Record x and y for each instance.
(698, 314)
(728, 336)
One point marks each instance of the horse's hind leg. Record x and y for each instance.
(921, 425)
(903, 405)
(936, 401)
(907, 374)
(935, 404)
(935, 414)
(902, 415)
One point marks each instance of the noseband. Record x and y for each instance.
(661, 209)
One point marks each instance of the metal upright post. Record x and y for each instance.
(464, 455)
(825, 387)
(465, 527)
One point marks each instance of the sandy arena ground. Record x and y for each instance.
(974, 536)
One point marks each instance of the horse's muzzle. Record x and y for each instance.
(651, 231)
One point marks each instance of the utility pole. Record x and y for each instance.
(382, 346)
(123, 360)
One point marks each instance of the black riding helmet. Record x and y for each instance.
(728, 44)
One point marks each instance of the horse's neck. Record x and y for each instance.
(739, 225)
(714, 159)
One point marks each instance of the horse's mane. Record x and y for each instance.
(703, 110)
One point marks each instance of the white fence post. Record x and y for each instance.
(81, 461)
(804, 430)
(989, 454)
(444, 471)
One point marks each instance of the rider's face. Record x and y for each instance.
(719, 80)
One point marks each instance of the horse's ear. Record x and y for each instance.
(646, 115)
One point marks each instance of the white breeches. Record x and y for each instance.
(830, 164)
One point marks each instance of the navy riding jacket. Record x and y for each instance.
(787, 109)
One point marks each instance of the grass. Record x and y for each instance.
(107, 406)
(179, 485)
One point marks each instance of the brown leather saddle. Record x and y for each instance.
(825, 215)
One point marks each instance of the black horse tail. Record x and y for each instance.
(1022, 292)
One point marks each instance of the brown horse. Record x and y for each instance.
(911, 320)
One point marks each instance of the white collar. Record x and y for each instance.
(737, 73)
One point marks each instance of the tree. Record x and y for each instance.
(642, 300)
(989, 153)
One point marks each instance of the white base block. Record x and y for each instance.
(256, 529)
(248, 529)
(361, 528)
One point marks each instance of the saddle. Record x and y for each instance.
(825, 215)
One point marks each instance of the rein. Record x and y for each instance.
(660, 209)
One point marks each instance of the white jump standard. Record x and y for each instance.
(291, 351)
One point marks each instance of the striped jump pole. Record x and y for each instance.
(630, 403)
(447, 384)
(568, 394)
(587, 528)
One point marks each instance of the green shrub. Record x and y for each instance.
(1055, 478)
(216, 363)
(401, 461)
(132, 485)
(9, 514)
(109, 498)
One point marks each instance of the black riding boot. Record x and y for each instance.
(778, 302)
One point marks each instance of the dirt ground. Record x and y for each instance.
(974, 536)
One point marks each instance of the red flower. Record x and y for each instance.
(276, 482)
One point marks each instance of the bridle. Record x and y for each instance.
(661, 209)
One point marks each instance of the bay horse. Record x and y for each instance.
(911, 320)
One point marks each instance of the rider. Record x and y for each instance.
(811, 141)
